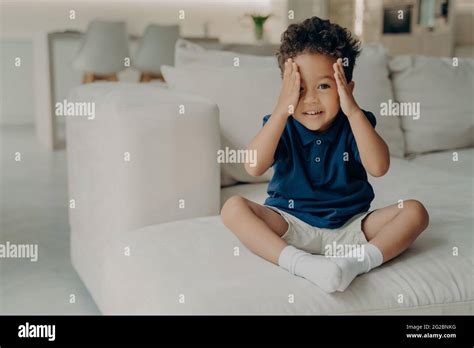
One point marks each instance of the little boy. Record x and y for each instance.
(321, 146)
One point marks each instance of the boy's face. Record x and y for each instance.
(318, 91)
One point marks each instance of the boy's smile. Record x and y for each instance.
(318, 105)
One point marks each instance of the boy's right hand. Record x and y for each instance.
(290, 89)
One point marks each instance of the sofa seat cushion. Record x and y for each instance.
(197, 266)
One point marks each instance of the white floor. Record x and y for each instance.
(33, 209)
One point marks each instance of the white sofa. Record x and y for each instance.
(146, 236)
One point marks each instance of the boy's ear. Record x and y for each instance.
(351, 86)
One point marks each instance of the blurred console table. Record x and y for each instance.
(54, 77)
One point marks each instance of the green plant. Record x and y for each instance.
(258, 24)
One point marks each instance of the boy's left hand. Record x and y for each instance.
(344, 89)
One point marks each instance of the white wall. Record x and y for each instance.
(226, 18)
(16, 91)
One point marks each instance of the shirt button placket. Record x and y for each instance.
(317, 158)
(317, 172)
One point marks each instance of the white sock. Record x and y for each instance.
(318, 269)
(352, 266)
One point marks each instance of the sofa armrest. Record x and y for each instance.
(137, 162)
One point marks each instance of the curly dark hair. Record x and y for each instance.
(316, 35)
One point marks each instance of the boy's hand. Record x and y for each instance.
(347, 101)
(290, 89)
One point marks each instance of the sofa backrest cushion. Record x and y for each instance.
(243, 96)
(187, 52)
(442, 88)
(372, 89)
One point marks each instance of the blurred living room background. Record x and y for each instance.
(31, 30)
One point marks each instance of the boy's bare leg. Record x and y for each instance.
(392, 229)
(259, 228)
(389, 230)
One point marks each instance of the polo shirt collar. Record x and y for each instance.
(307, 136)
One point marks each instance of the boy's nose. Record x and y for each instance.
(311, 98)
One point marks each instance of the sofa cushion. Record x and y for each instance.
(444, 92)
(195, 260)
(243, 96)
(187, 52)
(459, 162)
(372, 88)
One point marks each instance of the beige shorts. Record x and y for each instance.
(314, 239)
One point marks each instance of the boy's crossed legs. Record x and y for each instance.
(389, 230)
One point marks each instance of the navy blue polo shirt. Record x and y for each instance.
(318, 176)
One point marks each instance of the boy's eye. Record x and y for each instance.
(324, 86)
(301, 89)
